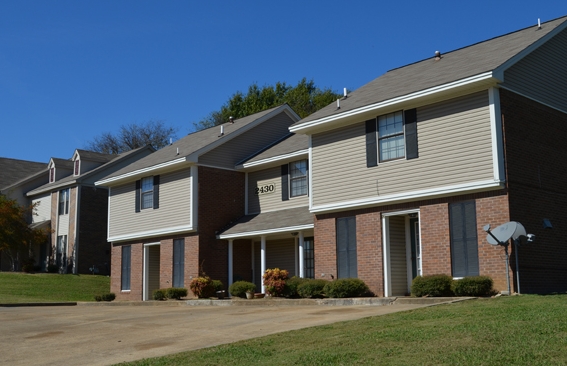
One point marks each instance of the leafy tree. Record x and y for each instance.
(133, 136)
(15, 234)
(305, 98)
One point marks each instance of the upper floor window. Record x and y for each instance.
(64, 201)
(391, 136)
(147, 193)
(77, 165)
(298, 178)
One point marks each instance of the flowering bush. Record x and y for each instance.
(202, 287)
(274, 281)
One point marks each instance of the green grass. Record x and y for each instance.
(518, 330)
(44, 287)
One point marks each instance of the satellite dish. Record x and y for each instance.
(504, 232)
(519, 232)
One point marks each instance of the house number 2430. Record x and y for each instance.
(266, 188)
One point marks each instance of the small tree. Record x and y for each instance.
(15, 234)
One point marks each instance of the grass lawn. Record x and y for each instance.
(517, 330)
(49, 287)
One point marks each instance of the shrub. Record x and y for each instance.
(290, 288)
(345, 287)
(312, 288)
(433, 285)
(217, 284)
(52, 268)
(202, 287)
(239, 288)
(159, 294)
(175, 293)
(105, 297)
(28, 265)
(473, 286)
(274, 281)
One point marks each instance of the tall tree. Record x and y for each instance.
(133, 136)
(15, 234)
(304, 98)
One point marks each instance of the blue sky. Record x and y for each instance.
(71, 70)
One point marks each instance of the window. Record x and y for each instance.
(64, 201)
(298, 178)
(346, 247)
(391, 136)
(464, 244)
(77, 165)
(308, 258)
(147, 193)
(294, 179)
(126, 267)
(178, 262)
(61, 255)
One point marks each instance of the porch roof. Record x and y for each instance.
(40, 224)
(265, 223)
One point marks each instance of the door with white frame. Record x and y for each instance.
(151, 270)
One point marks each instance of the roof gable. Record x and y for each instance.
(15, 170)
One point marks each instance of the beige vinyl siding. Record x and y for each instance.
(251, 142)
(43, 208)
(542, 74)
(270, 201)
(454, 144)
(398, 263)
(279, 254)
(174, 206)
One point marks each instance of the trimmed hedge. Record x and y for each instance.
(175, 293)
(105, 297)
(159, 294)
(217, 284)
(473, 286)
(239, 288)
(434, 285)
(290, 289)
(345, 287)
(312, 288)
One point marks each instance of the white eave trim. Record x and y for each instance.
(266, 232)
(150, 233)
(404, 98)
(142, 171)
(274, 159)
(453, 190)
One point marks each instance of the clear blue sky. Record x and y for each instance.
(71, 70)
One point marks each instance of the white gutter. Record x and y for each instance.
(266, 232)
(274, 159)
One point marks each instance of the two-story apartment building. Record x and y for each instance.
(405, 171)
(165, 209)
(76, 210)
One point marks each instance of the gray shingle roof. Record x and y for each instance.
(63, 163)
(292, 143)
(191, 143)
(273, 220)
(95, 156)
(456, 65)
(14, 170)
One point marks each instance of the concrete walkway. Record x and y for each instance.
(96, 334)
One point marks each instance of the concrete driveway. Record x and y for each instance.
(103, 335)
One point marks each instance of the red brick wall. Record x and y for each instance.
(536, 150)
(136, 289)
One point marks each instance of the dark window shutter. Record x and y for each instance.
(353, 270)
(156, 191)
(285, 180)
(138, 189)
(464, 243)
(178, 262)
(126, 267)
(346, 247)
(410, 125)
(371, 145)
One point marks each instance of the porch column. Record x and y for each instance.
(263, 261)
(301, 259)
(230, 261)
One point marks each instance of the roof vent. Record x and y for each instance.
(221, 130)
(437, 55)
(538, 23)
(345, 93)
(338, 104)
(231, 119)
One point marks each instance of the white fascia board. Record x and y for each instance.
(410, 196)
(390, 102)
(52, 187)
(310, 172)
(496, 135)
(499, 71)
(150, 233)
(142, 171)
(275, 159)
(266, 232)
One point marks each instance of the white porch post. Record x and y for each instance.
(263, 261)
(301, 259)
(230, 261)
